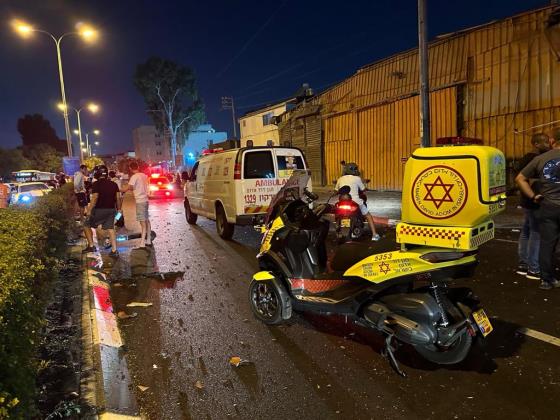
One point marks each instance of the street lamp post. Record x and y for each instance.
(91, 107)
(85, 32)
(425, 137)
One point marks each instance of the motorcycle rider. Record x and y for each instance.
(351, 178)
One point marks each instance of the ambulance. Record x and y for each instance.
(235, 187)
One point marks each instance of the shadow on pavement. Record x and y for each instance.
(325, 385)
(502, 343)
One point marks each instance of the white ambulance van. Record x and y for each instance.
(235, 187)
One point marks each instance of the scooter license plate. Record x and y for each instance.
(345, 223)
(483, 322)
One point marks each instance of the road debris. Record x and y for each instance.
(124, 315)
(238, 361)
(199, 385)
(138, 304)
(143, 388)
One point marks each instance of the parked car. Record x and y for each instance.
(160, 186)
(235, 187)
(27, 192)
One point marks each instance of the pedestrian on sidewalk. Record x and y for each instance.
(138, 184)
(80, 189)
(545, 167)
(105, 202)
(529, 238)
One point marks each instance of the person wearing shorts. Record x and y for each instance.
(139, 185)
(80, 189)
(101, 211)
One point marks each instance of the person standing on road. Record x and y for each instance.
(529, 238)
(545, 167)
(139, 185)
(105, 202)
(80, 189)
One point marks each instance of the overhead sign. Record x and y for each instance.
(70, 165)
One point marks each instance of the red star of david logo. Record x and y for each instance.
(384, 267)
(443, 197)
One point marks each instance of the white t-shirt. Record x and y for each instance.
(355, 183)
(139, 184)
(79, 185)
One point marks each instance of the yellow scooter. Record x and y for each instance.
(401, 290)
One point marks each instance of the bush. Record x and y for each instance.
(31, 240)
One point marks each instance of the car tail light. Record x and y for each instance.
(154, 188)
(170, 187)
(237, 171)
(438, 257)
(346, 206)
(167, 193)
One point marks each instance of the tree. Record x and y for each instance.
(93, 161)
(43, 157)
(12, 160)
(170, 93)
(36, 129)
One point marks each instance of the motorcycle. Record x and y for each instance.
(349, 221)
(403, 293)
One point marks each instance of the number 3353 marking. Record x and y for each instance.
(383, 257)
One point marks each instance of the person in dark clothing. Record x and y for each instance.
(529, 238)
(545, 168)
(105, 202)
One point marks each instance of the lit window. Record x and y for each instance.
(267, 118)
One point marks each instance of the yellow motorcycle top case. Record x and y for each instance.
(450, 195)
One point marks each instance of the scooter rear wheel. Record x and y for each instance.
(266, 303)
(449, 355)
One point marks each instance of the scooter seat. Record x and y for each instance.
(348, 254)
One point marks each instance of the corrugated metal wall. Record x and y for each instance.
(314, 148)
(380, 139)
(513, 83)
(489, 82)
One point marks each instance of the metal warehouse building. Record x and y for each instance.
(498, 82)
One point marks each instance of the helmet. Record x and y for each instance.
(351, 169)
(100, 171)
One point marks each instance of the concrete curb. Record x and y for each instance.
(110, 389)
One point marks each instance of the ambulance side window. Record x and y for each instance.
(258, 165)
(193, 172)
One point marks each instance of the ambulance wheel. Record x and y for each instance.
(266, 303)
(190, 216)
(225, 229)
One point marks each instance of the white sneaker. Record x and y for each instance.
(376, 237)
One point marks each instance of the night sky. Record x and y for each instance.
(256, 51)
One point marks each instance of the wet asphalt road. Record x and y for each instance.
(315, 367)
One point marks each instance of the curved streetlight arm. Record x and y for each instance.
(57, 42)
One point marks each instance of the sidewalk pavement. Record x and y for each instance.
(386, 207)
(113, 396)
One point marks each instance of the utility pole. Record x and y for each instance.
(424, 76)
(227, 103)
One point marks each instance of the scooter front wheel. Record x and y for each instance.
(265, 302)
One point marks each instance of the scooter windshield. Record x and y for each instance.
(292, 190)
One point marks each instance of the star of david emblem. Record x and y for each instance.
(384, 267)
(442, 197)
